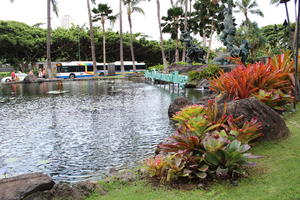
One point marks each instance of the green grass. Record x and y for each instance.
(276, 177)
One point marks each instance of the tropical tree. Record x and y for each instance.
(121, 38)
(248, 6)
(172, 24)
(131, 8)
(165, 62)
(103, 13)
(54, 8)
(277, 2)
(185, 4)
(206, 18)
(92, 37)
(172, 3)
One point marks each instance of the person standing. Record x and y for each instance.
(13, 75)
(40, 75)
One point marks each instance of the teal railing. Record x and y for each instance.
(173, 77)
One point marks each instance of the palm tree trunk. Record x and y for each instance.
(92, 39)
(121, 40)
(49, 37)
(104, 46)
(190, 9)
(131, 42)
(209, 46)
(185, 28)
(161, 37)
(172, 3)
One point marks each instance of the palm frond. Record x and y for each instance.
(252, 5)
(54, 7)
(257, 12)
(138, 10)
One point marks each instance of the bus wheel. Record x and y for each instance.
(72, 76)
(101, 74)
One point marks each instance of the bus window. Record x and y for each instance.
(100, 67)
(81, 68)
(90, 68)
(128, 67)
(141, 67)
(63, 69)
(117, 68)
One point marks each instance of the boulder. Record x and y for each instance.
(177, 105)
(65, 191)
(19, 187)
(29, 79)
(274, 126)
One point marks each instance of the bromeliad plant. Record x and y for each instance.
(275, 78)
(205, 144)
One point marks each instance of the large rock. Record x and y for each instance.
(177, 105)
(29, 79)
(64, 191)
(19, 187)
(274, 126)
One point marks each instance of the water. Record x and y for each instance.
(80, 135)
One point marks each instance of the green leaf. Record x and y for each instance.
(212, 158)
(222, 172)
(201, 175)
(203, 168)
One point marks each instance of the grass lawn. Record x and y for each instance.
(277, 176)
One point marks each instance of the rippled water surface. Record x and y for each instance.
(95, 126)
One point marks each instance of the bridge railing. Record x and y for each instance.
(173, 77)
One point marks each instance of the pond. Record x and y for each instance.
(82, 134)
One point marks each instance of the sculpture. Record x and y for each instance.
(193, 52)
(227, 37)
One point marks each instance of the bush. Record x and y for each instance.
(157, 67)
(4, 74)
(275, 78)
(205, 144)
(208, 72)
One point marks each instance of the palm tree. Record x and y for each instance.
(54, 5)
(172, 3)
(121, 38)
(131, 8)
(103, 13)
(165, 62)
(185, 3)
(172, 24)
(92, 36)
(246, 7)
(277, 2)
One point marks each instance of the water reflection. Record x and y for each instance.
(81, 134)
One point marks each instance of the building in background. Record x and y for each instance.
(66, 21)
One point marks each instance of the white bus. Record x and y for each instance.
(78, 69)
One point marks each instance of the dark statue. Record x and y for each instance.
(193, 52)
(227, 37)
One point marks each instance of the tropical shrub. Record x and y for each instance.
(157, 67)
(205, 144)
(275, 78)
(4, 74)
(276, 99)
(208, 72)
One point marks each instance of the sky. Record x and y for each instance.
(35, 11)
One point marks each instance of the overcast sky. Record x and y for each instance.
(34, 11)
